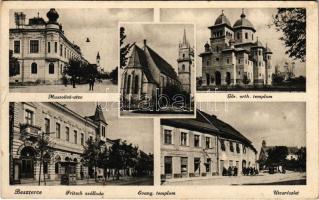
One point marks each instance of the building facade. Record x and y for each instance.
(202, 147)
(147, 73)
(41, 48)
(68, 132)
(235, 55)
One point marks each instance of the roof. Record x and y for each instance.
(206, 123)
(222, 19)
(138, 59)
(98, 116)
(161, 64)
(244, 23)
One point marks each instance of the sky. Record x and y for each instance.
(136, 131)
(260, 18)
(162, 38)
(278, 123)
(99, 25)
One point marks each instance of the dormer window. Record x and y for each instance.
(103, 131)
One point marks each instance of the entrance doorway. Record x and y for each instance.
(218, 78)
(168, 166)
(207, 79)
(228, 78)
(197, 166)
(27, 162)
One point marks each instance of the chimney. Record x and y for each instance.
(144, 42)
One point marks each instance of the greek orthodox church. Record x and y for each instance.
(147, 72)
(235, 55)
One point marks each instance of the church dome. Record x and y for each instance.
(222, 19)
(52, 15)
(244, 23)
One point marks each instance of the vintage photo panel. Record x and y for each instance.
(157, 74)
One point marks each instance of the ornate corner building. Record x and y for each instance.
(235, 55)
(68, 131)
(42, 49)
(147, 72)
(203, 146)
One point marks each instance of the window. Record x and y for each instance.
(183, 55)
(244, 150)
(222, 145)
(49, 47)
(75, 137)
(252, 36)
(207, 63)
(208, 143)
(128, 84)
(168, 165)
(58, 130)
(238, 72)
(217, 49)
(238, 61)
(238, 36)
(227, 60)
(168, 137)
(183, 67)
(231, 147)
(28, 117)
(61, 50)
(183, 139)
(136, 81)
(64, 52)
(55, 47)
(103, 131)
(196, 141)
(47, 125)
(51, 68)
(16, 46)
(259, 52)
(34, 46)
(82, 138)
(184, 162)
(34, 68)
(217, 59)
(67, 134)
(246, 35)
(259, 63)
(237, 148)
(208, 164)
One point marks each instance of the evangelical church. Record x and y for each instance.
(235, 55)
(147, 72)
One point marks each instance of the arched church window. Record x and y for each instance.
(51, 68)
(183, 55)
(34, 68)
(136, 84)
(128, 84)
(252, 36)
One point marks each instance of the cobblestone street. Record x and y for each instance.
(290, 178)
(105, 87)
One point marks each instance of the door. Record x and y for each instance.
(27, 162)
(218, 78)
(228, 78)
(207, 79)
(168, 166)
(197, 166)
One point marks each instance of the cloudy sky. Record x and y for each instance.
(99, 25)
(162, 38)
(281, 123)
(135, 131)
(260, 18)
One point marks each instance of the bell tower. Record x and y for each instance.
(185, 57)
(98, 58)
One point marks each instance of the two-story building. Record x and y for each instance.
(67, 131)
(202, 147)
(42, 49)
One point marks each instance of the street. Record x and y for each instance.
(105, 87)
(290, 178)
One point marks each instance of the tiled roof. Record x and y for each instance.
(161, 64)
(206, 123)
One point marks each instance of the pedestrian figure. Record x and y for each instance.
(229, 171)
(92, 82)
(73, 81)
(235, 171)
(65, 81)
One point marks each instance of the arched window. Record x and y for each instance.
(246, 35)
(51, 68)
(128, 84)
(183, 67)
(34, 68)
(136, 84)
(183, 55)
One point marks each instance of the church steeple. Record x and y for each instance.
(184, 43)
(99, 116)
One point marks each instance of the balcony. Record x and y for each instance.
(30, 130)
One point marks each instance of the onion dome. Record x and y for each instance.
(222, 19)
(52, 15)
(244, 23)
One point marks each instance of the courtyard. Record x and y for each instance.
(290, 178)
(106, 86)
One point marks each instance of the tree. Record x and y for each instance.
(277, 79)
(91, 154)
(246, 80)
(114, 75)
(116, 159)
(124, 49)
(13, 64)
(277, 156)
(292, 22)
(302, 156)
(73, 68)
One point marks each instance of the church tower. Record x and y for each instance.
(98, 58)
(99, 120)
(185, 58)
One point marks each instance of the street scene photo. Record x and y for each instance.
(86, 143)
(236, 144)
(247, 49)
(157, 69)
(66, 50)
